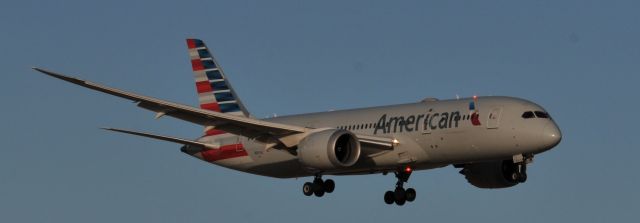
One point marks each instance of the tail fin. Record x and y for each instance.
(214, 90)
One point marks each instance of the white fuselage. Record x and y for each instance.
(430, 134)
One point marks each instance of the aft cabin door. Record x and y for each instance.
(493, 120)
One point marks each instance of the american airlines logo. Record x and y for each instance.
(424, 122)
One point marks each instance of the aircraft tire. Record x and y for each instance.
(307, 189)
(389, 198)
(410, 194)
(400, 196)
(319, 192)
(522, 177)
(329, 185)
(401, 202)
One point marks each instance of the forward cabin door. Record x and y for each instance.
(493, 120)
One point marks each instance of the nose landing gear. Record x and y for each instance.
(400, 196)
(519, 167)
(318, 187)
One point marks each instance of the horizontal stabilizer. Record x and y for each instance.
(166, 138)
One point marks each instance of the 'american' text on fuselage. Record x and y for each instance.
(429, 121)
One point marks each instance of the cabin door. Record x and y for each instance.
(493, 120)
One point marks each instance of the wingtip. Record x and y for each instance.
(38, 69)
(59, 76)
(112, 129)
(42, 70)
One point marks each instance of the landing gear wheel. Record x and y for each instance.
(389, 198)
(522, 177)
(318, 187)
(518, 173)
(410, 194)
(329, 185)
(400, 196)
(307, 188)
(401, 202)
(319, 192)
(514, 177)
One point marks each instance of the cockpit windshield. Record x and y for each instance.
(527, 115)
(541, 114)
(535, 114)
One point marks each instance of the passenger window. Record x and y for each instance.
(541, 114)
(527, 115)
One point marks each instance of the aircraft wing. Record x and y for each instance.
(166, 138)
(289, 135)
(229, 123)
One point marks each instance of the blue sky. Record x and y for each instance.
(578, 59)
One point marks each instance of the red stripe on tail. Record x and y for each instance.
(203, 86)
(211, 107)
(191, 43)
(196, 64)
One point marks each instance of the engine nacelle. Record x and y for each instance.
(329, 149)
(495, 174)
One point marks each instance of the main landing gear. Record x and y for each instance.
(400, 196)
(318, 187)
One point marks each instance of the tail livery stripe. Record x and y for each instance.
(194, 43)
(211, 84)
(214, 91)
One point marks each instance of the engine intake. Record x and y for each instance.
(329, 149)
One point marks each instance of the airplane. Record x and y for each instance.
(490, 139)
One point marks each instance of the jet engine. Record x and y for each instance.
(329, 149)
(496, 174)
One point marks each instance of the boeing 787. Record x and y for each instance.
(491, 139)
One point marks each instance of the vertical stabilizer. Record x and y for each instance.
(214, 90)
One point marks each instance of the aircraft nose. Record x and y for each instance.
(551, 135)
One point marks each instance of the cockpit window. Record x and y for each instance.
(528, 114)
(541, 114)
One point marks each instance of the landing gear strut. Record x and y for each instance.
(318, 187)
(519, 173)
(519, 168)
(400, 196)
